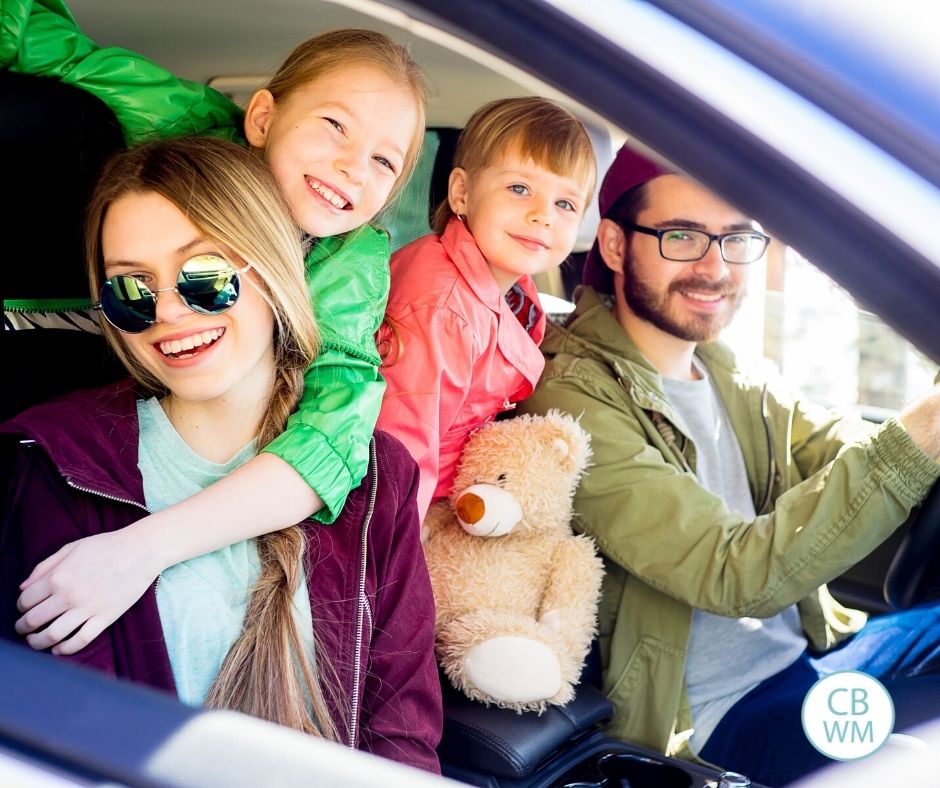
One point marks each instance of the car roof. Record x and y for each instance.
(874, 66)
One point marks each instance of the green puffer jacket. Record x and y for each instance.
(824, 501)
(327, 440)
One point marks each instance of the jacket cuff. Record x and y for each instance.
(914, 471)
(308, 451)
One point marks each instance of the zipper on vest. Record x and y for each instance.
(363, 610)
(771, 457)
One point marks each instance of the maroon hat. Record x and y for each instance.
(628, 170)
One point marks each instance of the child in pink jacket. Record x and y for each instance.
(463, 324)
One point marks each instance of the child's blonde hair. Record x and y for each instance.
(534, 128)
(339, 48)
(231, 197)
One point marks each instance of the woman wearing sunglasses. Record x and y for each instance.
(199, 271)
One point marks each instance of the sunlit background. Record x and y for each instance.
(826, 346)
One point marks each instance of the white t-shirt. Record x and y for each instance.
(727, 657)
(202, 601)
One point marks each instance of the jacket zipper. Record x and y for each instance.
(100, 494)
(363, 602)
(771, 457)
(30, 443)
(668, 434)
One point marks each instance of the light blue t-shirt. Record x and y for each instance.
(727, 657)
(202, 601)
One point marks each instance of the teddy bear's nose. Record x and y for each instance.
(470, 508)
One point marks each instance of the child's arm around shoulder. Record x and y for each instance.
(327, 438)
(91, 582)
(41, 37)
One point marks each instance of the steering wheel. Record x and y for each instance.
(914, 574)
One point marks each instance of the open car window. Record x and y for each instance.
(827, 346)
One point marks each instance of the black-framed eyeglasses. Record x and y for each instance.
(684, 245)
(207, 284)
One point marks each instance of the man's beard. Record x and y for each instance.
(653, 307)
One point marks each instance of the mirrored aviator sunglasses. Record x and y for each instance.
(207, 284)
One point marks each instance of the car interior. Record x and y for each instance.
(481, 746)
(62, 136)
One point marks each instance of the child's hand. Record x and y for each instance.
(82, 589)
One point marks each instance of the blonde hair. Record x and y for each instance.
(534, 128)
(231, 197)
(338, 48)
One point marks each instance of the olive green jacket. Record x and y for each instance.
(824, 501)
(327, 439)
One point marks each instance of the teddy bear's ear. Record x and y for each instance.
(572, 445)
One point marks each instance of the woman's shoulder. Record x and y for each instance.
(389, 449)
(390, 479)
(396, 466)
(396, 482)
(90, 436)
(88, 411)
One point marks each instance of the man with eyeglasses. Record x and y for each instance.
(722, 503)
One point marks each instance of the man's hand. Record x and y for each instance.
(921, 419)
(84, 588)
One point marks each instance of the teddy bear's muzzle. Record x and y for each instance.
(487, 510)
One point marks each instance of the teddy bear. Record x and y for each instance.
(516, 591)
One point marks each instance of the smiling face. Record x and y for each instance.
(524, 217)
(690, 301)
(197, 357)
(336, 145)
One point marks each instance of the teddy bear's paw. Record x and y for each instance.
(513, 669)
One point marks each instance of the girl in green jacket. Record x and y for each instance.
(339, 154)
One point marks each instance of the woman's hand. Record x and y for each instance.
(73, 595)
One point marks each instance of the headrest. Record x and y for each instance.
(56, 137)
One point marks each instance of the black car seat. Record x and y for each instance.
(56, 138)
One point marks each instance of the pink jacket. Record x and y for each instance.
(454, 353)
